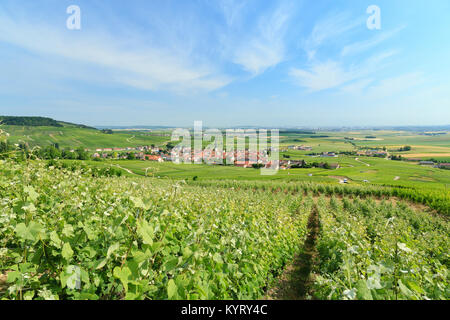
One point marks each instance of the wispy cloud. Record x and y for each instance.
(385, 88)
(359, 47)
(265, 48)
(356, 87)
(331, 32)
(331, 74)
(322, 76)
(231, 9)
(142, 67)
(329, 28)
(395, 85)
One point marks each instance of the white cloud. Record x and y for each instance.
(231, 10)
(371, 90)
(321, 76)
(327, 29)
(357, 86)
(331, 74)
(395, 85)
(362, 46)
(266, 47)
(142, 67)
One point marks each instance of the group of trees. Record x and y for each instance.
(348, 153)
(29, 121)
(257, 165)
(303, 164)
(53, 152)
(405, 148)
(50, 153)
(396, 158)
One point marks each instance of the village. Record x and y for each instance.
(243, 159)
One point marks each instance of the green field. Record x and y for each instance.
(380, 171)
(422, 146)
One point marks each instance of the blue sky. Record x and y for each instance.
(227, 62)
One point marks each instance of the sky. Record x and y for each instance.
(227, 62)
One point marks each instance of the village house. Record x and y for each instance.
(166, 157)
(302, 148)
(242, 164)
(329, 154)
(372, 153)
(443, 166)
(151, 157)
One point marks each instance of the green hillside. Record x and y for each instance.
(71, 136)
(37, 122)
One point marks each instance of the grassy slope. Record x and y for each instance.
(70, 136)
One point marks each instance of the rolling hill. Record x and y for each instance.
(39, 131)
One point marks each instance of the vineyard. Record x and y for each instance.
(73, 233)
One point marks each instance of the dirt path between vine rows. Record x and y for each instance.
(295, 282)
(3, 279)
(127, 170)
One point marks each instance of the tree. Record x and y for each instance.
(51, 153)
(82, 154)
(67, 154)
(170, 145)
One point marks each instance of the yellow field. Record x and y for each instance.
(423, 155)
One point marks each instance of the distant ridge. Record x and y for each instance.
(38, 122)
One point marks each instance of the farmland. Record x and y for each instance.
(71, 229)
(68, 235)
(355, 168)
